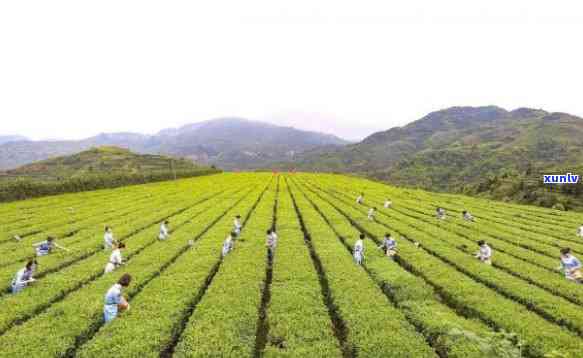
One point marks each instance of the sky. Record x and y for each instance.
(72, 69)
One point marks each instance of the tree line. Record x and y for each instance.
(26, 188)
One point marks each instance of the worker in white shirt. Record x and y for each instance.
(389, 245)
(580, 231)
(237, 226)
(360, 199)
(440, 213)
(467, 216)
(44, 248)
(108, 239)
(570, 265)
(24, 277)
(228, 244)
(114, 301)
(484, 254)
(164, 233)
(115, 259)
(371, 213)
(358, 251)
(271, 243)
(388, 203)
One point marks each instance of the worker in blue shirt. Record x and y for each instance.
(114, 301)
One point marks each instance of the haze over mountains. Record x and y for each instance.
(230, 143)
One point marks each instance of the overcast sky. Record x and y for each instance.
(71, 69)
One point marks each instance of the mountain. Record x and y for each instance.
(238, 143)
(464, 149)
(101, 160)
(11, 138)
(227, 142)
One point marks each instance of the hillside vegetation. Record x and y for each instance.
(477, 150)
(97, 168)
(311, 299)
(101, 160)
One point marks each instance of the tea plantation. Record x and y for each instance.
(433, 299)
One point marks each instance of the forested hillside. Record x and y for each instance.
(478, 150)
(97, 168)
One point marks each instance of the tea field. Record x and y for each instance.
(435, 299)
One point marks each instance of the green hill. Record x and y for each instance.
(97, 168)
(478, 150)
(101, 161)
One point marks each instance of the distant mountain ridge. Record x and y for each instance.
(461, 148)
(455, 128)
(226, 142)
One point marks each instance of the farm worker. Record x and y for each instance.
(24, 277)
(570, 265)
(271, 243)
(237, 226)
(114, 301)
(228, 244)
(580, 231)
(360, 199)
(371, 213)
(389, 245)
(358, 251)
(388, 203)
(108, 239)
(485, 252)
(467, 216)
(115, 259)
(164, 234)
(440, 213)
(44, 248)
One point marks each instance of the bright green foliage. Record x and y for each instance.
(225, 321)
(50, 288)
(68, 323)
(167, 297)
(298, 327)
(416, 298)
(433, 300)
(457, 277)
(375, 327)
